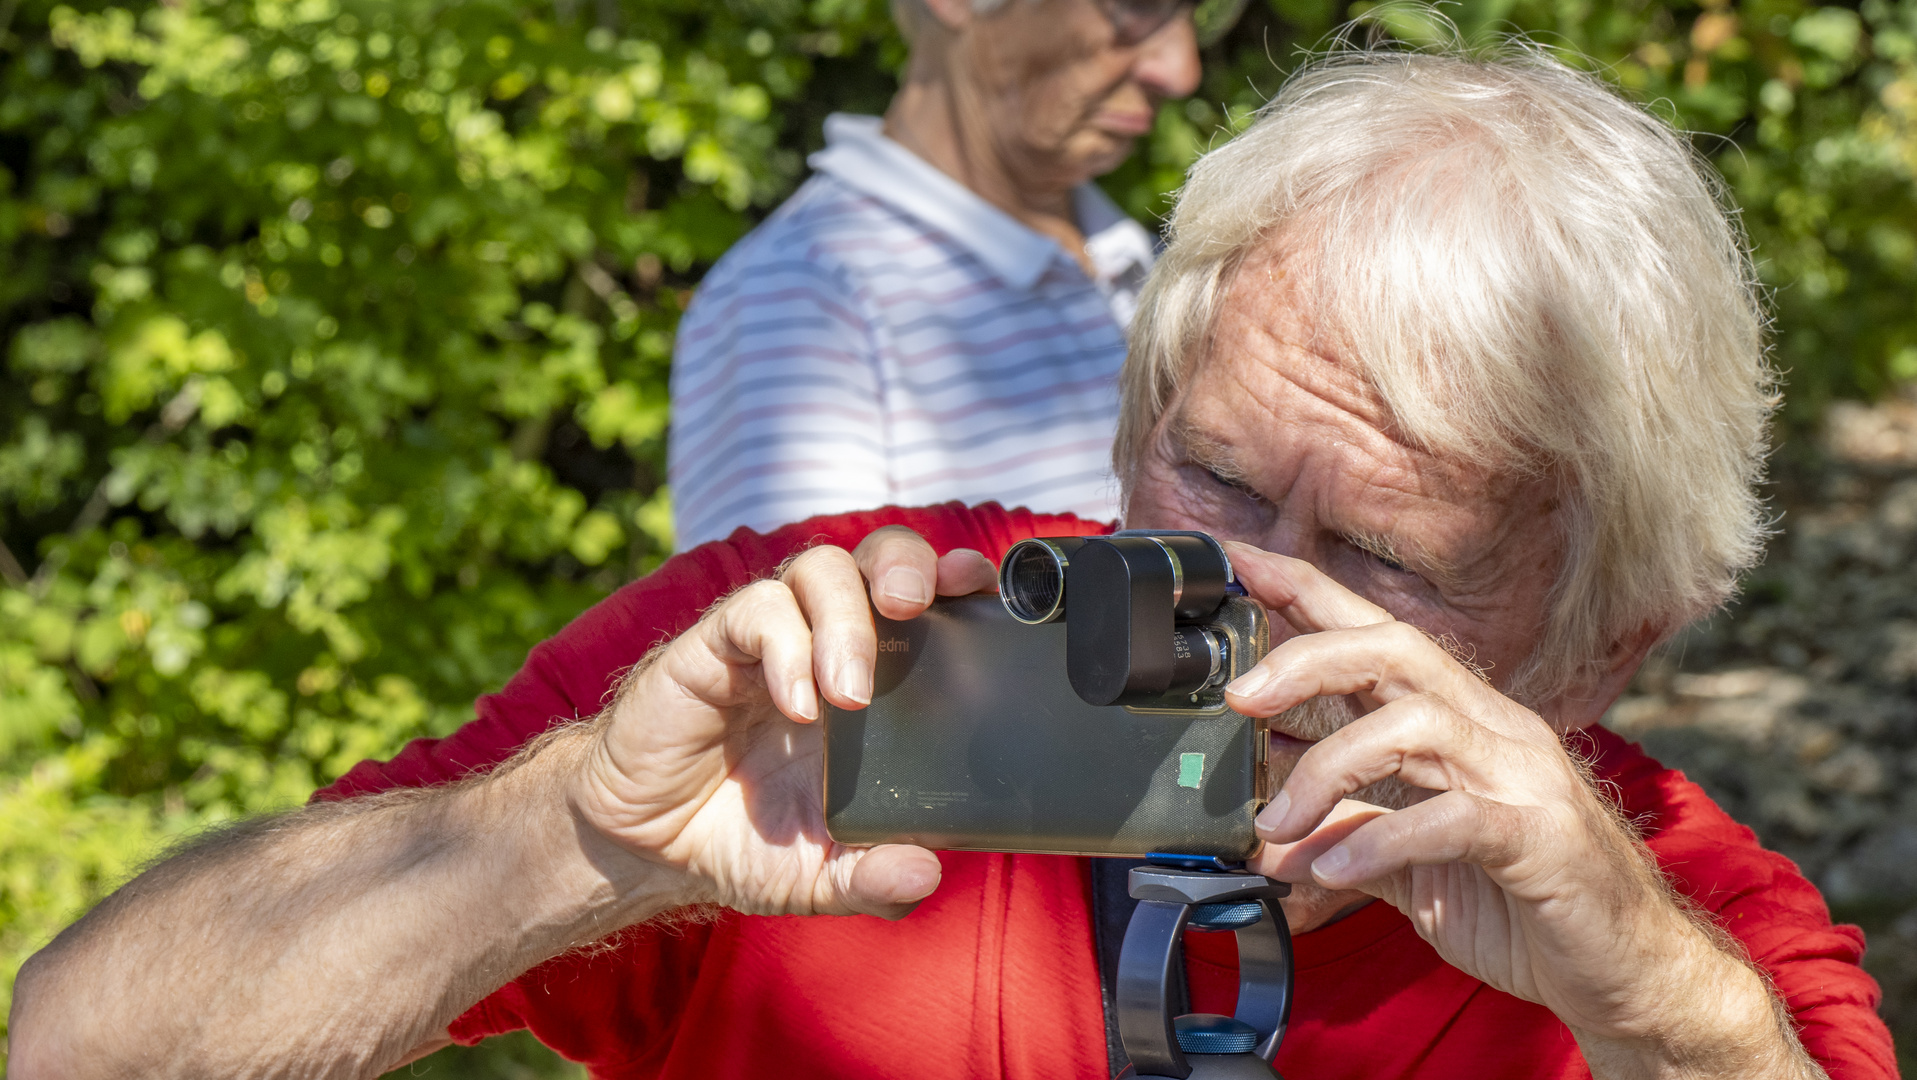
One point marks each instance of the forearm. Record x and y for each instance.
(332, 941)
(1715, 1017)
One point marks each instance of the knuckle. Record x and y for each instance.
(814, 560)
(765, 594)
(1475, 820)
(1402, 637)
(1423, 721)
(1458, 808)
(1301, 567)
(895, 536)
(1425, 710)
(971, 557)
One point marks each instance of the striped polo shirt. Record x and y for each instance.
(888, 337)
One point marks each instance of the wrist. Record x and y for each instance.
(588, 886)
(1706, 1014)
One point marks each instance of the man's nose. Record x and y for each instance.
(1167, 64)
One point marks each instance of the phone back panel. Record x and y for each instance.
(975, 741)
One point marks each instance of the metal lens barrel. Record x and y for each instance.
(1202, 573)
(1031, 579)
(1134, 631)
(1201, 658)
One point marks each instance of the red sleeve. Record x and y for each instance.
(569, 676)
(586, 1005)
(1759, 897)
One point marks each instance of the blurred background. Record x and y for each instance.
(333, 351)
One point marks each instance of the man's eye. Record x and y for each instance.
(1380, 552)
(1236, 485)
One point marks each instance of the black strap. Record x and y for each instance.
(1112, 907)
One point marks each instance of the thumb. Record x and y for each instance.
(888, 880)
(1292, 862)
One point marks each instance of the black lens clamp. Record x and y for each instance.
(1132, 604)
(1173, 894)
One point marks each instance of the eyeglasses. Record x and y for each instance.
(1136, 20)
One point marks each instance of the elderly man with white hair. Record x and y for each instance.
(1463, 359)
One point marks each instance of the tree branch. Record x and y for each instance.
(10, 569)
(173, 416)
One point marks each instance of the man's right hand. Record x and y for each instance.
(710, 761)
(410, 907)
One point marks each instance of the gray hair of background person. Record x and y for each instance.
(1534, 274)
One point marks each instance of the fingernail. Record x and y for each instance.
(1331, 862)
(1274, 812)
(914, 885)
(906, 585)
(854, 680)
(807, 700)
(1249, 683)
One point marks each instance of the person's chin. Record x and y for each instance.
(1095, 152)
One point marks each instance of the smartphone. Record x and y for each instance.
(976, 741)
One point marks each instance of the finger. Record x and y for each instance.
(1457, 826)
(1292, 862)
(962, 572)
(1299, 592)
(889, 880)
(902, 569)
(1382, 661)
(831, 595)
(1421, 740)
(762, 623)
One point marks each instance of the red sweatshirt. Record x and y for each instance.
(995, 974)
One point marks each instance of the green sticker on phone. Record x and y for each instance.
(1191, 769)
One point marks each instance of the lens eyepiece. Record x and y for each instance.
(1031, 579)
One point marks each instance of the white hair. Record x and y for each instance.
(1535, 275)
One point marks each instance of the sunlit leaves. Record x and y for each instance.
(334, 373)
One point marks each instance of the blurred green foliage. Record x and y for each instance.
(335, 336)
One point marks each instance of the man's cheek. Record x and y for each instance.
(1156, 503)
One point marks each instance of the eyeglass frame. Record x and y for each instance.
(1135, 21)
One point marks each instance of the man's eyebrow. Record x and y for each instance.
(1209, 452)
(1414, 557)
(1218, 457)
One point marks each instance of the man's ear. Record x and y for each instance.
(1586, 700)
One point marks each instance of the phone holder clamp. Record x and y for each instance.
(1202, 1046)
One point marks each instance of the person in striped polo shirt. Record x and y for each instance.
(939, 312)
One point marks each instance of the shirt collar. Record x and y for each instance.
(858, 154)
(1115, 243)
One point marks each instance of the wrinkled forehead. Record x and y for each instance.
(1278, 380)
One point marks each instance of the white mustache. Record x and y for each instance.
(1318, 718)
(1315, 719)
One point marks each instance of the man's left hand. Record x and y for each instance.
(1516, 870)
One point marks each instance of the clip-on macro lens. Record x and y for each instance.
(1131, 603)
